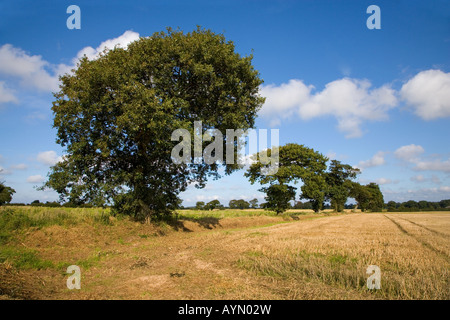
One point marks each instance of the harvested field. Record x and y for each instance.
(297, 256)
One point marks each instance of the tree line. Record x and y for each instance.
(411, 205)
(321, 183)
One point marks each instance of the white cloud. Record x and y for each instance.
(353, 102)
(34, 72)
(435, 165)
(382, 181)
(409, 152)
(20, 166)
(31, 70)
(421, 178)
(4, 171)
(282, 101)
(428, 94)
(375, 161)
(121, 42)
(6, 94)
(350, 101)
(35, 179)
(428, 194)
(48, 158)
(206, 198)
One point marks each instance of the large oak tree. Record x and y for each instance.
(115, 115)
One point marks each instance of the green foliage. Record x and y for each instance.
(314, 188)
(412, 206)
(214, 204)
(369, 197)
(296, 162)
(254, 203)
(5, 194)
(115, 115)
(278, 197)
(24, 259)
(303, 205)
(16, 219)
(238, 204)
(338, 179)
(200, 205)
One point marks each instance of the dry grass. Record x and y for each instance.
(253, 256)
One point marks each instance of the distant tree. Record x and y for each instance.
(200, 205)
(239, 204)
(52, 204)
(296, 163)
(302, 205)
(278, 197)
(254, 203)
(115, 116)
(444, 204)
(391, 206)
(5, 194)
(376, 202)
(411, 204)
(338, 179)
(361, 194)
(369, 197)
(214, 204)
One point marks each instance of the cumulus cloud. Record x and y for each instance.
(353, 101)
(282, 101)
(375, 161)
(409, 152)
(35, 179)
(32, 70)
(48, 158)
(350, 101)
(120, 42)
(428, 94)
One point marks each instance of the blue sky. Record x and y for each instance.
(375, 99)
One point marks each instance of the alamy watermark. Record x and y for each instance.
(374, 280)
(74, 20)
(74, 281)
(214, 152)
(374, 21)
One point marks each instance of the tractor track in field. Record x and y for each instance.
(426, 228)
(423, 243)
